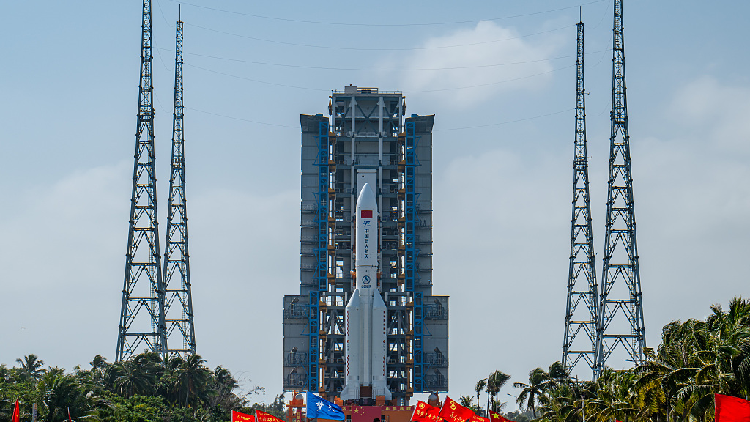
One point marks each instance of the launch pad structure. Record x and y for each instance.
(366, 138)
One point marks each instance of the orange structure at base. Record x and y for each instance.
(384, 413)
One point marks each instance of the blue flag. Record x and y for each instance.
(321, 408)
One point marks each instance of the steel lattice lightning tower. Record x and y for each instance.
(143, 318)
(583, 299)
(178, 305)
(620, 322)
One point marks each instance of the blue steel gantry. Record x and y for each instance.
(409, 221)
(178, 305)
(366, 139)
(582, 305)
(142, 320)
(620, 323)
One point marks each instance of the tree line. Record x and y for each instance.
(676, 382)
(142, 388)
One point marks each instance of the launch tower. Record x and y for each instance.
(366, 138)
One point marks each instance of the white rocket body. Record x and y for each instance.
(366, 312)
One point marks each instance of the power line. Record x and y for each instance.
(328, 47)
(257, 80)
(387, 25)
(417, 92)
(239, 118)
(495, 83)
(381, 69)
(507, 122)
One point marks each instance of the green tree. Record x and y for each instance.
(31, 367)
(495, 382)
(480, 385)
(532, 394)
(60, 393)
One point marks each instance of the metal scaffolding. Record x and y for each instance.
(366, 139)
(620, 322)
(142, 320)
(583, 298)
(178, 306)
(408, 226)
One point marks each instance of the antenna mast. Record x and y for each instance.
(620, 322)
(583, 299)
(179, 301)
(142, 319)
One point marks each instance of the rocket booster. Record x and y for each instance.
(366, 312)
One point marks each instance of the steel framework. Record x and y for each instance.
(324, 254)
(178, 306)
(620, 322)
(408, 147)
(144, 287)
(366, 138)
(583, 299)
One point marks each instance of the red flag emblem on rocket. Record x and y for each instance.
(365, 213)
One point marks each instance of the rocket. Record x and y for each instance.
(366, 313)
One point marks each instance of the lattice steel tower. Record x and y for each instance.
(142, 318)
(583, 298)
(620, 322)
(178, 305)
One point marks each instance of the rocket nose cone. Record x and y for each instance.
(366, 198)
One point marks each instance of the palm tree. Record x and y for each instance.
(60, 392)
(478, 388)
(562, 405)
(653, 398)
(31, 367)
(533, 392)
(466, 401)
(194, 377)
(495, 382)
(221, 386)
(130, 379)
(614, 397)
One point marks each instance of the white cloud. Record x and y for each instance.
(61, 261)
(502, 227)
(715, 113)
(62, 268)
(470, 66)
(500, 245)
(244, 251)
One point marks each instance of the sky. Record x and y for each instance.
(499, 77)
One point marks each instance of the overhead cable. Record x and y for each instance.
(383, 69)
(328, 47)
(389, 25)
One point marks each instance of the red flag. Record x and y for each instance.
(731, 409)
(424, 412)
(241, 417)
(265, 417)
(454, 412)
(366, 213)
(496, 417)
(16, 413)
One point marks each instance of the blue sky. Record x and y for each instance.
(499, 76)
